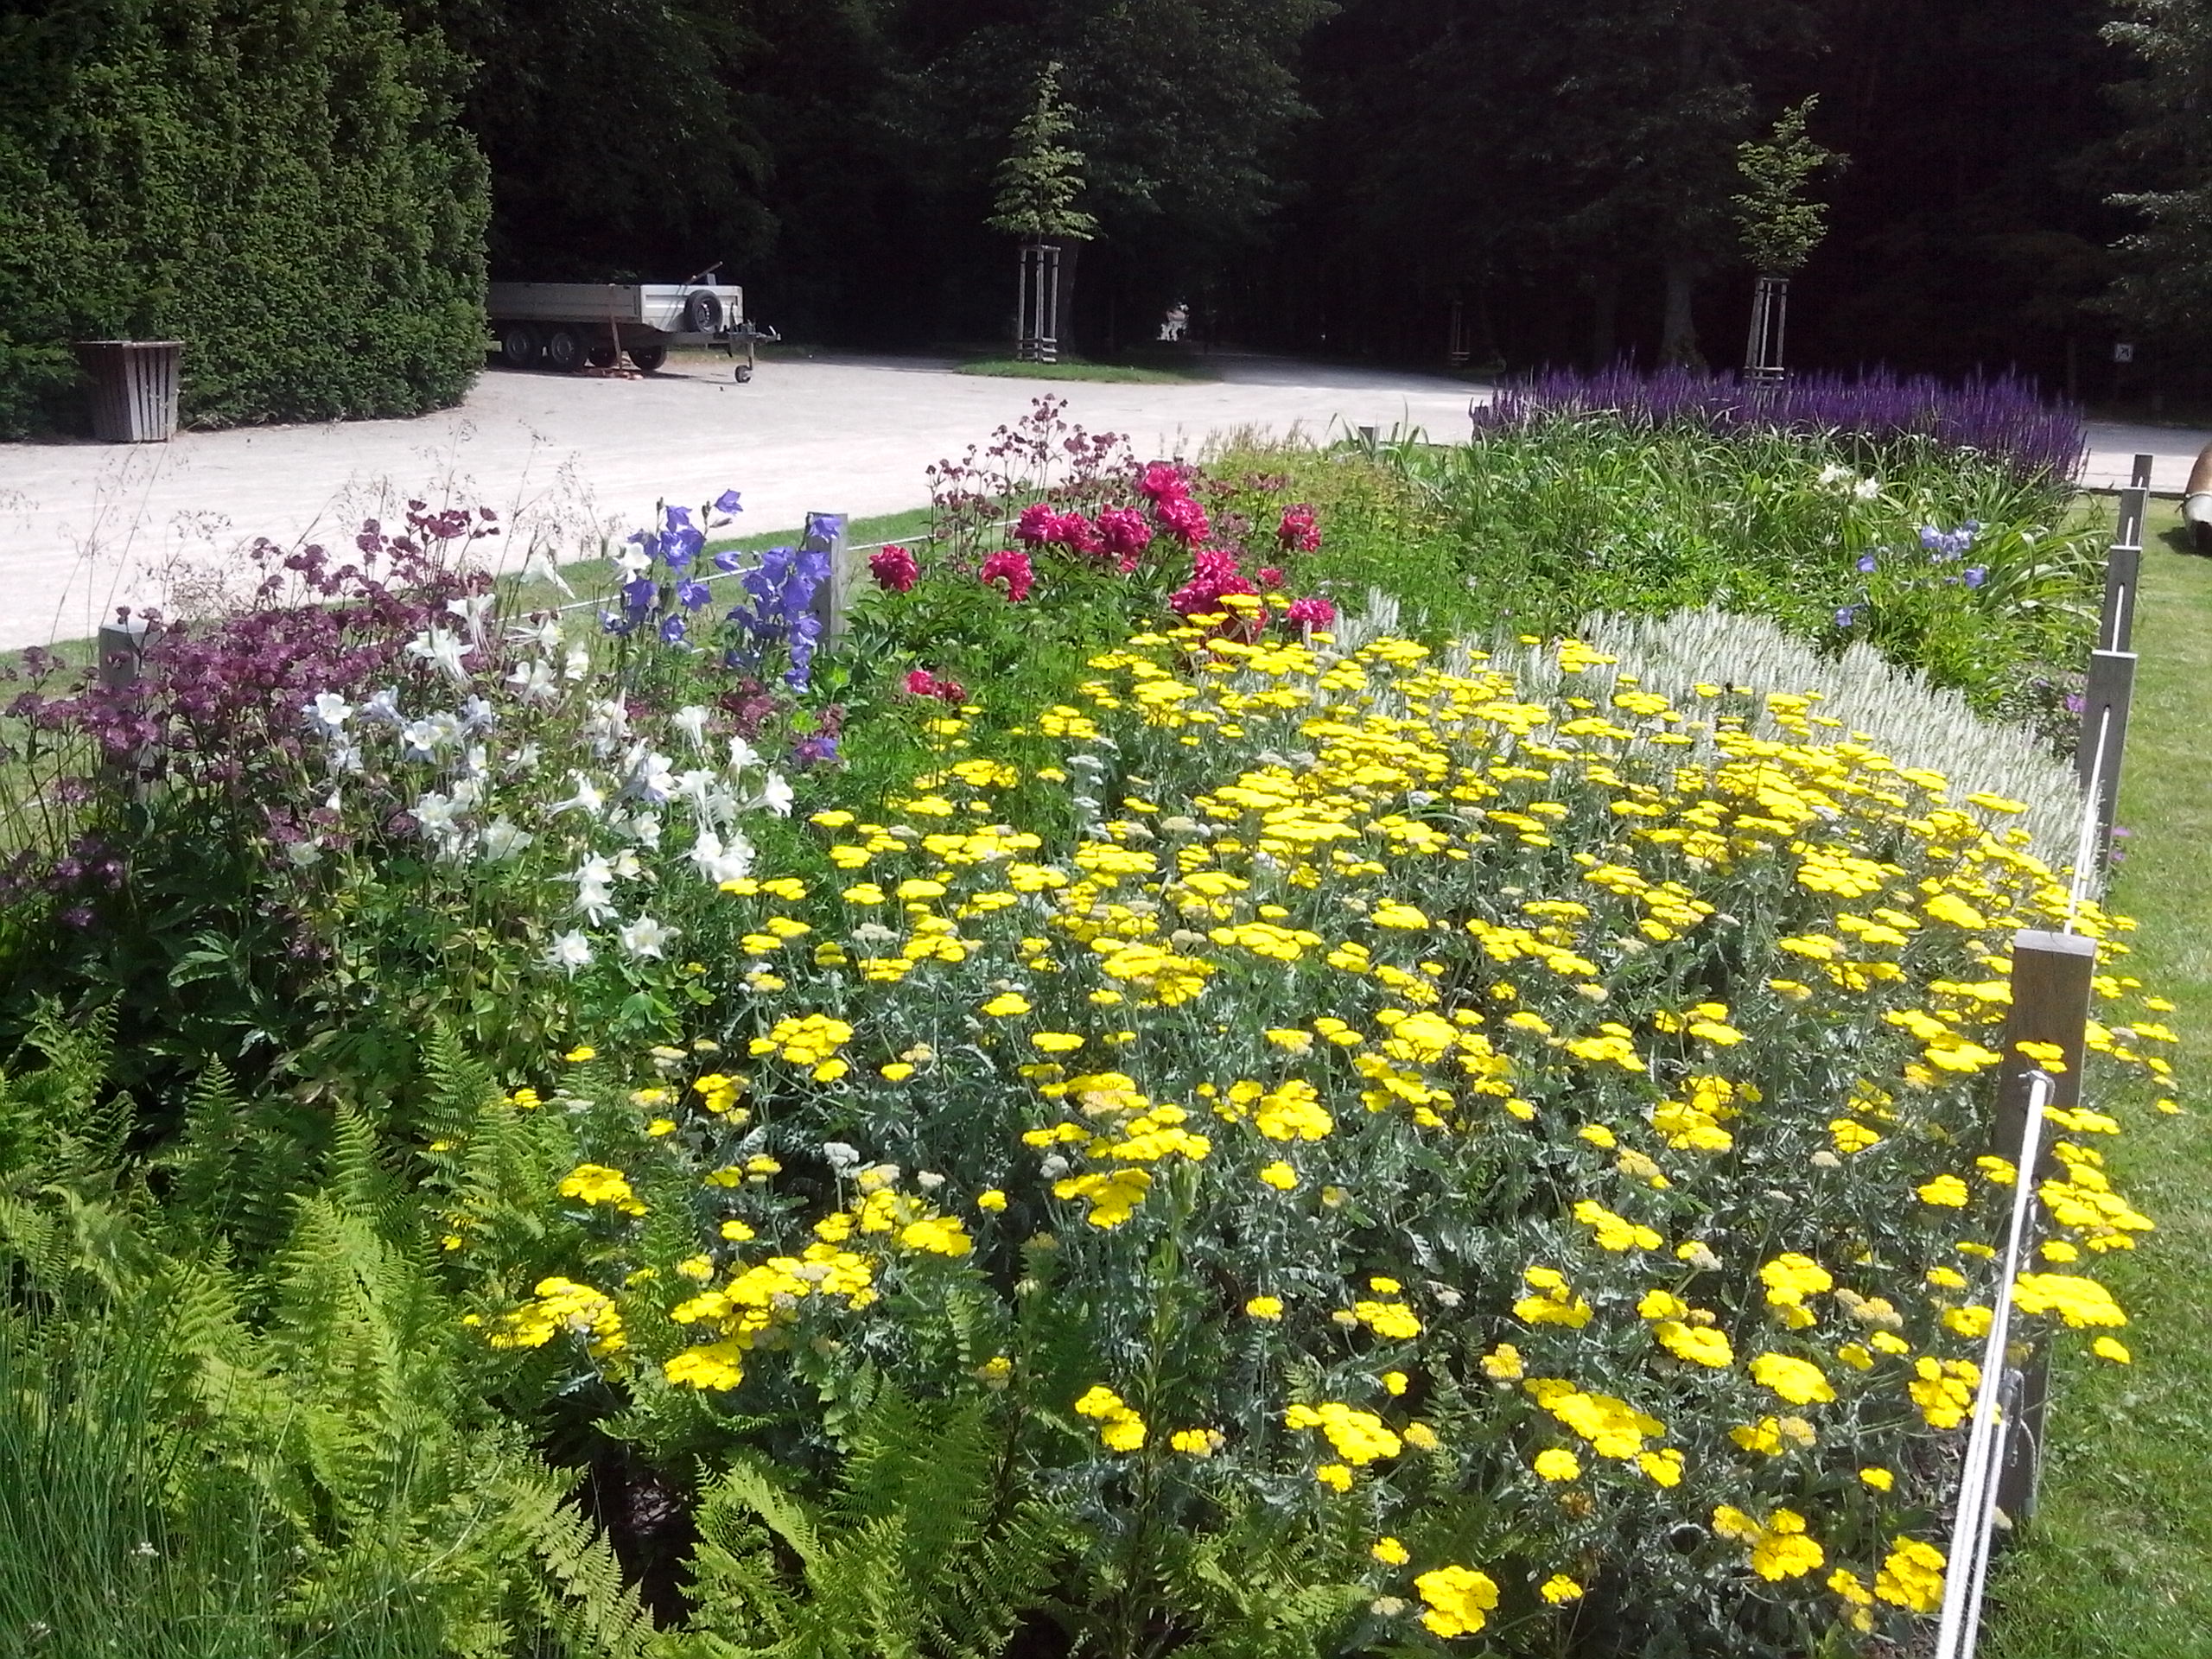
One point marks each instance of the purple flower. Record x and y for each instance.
(1976, 575)
(727, 559)
(1865, 564)
(679, 518)
(679, 547)
(1846, 616)
(692, 595)
(639, 594)
(727, 502)
(671, 631)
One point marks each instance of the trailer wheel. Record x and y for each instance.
(744, 372)
(702, 313)
(648, 358)
(564, 350)
(517, 345)
(602, 355)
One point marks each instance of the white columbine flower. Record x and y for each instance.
(718, 863)
(303, 853)
(1867, 488)
(586, 800)
(775, 795)
(437, 816)
(578, 663)
(442, 651)
(346, 757)
(607, 727)
(691, 721)
(569, 952)
(651, 775)
(471, 609)
(503, 839)
(533, 681)
(742, 754)
(646, 936)
(384, 706)
(524, 761)
(329, 713)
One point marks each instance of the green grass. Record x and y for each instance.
(2118, 1562)
(1131, 374)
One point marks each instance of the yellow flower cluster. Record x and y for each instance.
(560, 1304)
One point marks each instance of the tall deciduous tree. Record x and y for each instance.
(620, 132)
(1041, 178)
(1777, 221)
(2167, 283)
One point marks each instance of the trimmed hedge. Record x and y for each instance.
(281, 184)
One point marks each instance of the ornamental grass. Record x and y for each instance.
(1438, 1152)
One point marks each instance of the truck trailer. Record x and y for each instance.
(569, 326)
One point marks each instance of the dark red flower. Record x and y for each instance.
(894, 567)
(1299, 532)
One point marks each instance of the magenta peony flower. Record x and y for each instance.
(1014, 567)
(1162, 479)
(1299, 532)
(1269, 576)
(1181, 516)
(1313, 610)
(895, 568)
(1123, 533)
(1036, 524)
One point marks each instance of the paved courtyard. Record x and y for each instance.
(85, 527)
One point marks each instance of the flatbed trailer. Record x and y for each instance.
(569, 326)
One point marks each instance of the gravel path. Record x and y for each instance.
(85, 526)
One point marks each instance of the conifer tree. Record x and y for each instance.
(1040, 178)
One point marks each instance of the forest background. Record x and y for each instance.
(1325, 176)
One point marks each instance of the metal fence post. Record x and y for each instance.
(2104, 736)
(2051, 1004)
(825, 534)
(2138, 475)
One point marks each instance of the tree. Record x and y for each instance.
(1040, 178)
(1778, 224)
(2167, 281)
(620, 133)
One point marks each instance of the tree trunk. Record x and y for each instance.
(1678, 326)
(1063, 308)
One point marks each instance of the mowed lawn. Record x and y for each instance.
(2118, 1562)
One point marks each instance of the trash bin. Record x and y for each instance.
(134, 388)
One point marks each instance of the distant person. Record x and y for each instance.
(1179, 319)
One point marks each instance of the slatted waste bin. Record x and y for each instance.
(134, 388)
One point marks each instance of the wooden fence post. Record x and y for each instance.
(119, 667)
(2104, 736)
(832, 598)
(2050, 1004)
(2123, 572)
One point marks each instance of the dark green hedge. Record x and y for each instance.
(281, 184)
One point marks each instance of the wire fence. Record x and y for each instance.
(2051, 984)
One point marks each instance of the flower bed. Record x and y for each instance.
(1089, 1111)
(1522, 1140)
